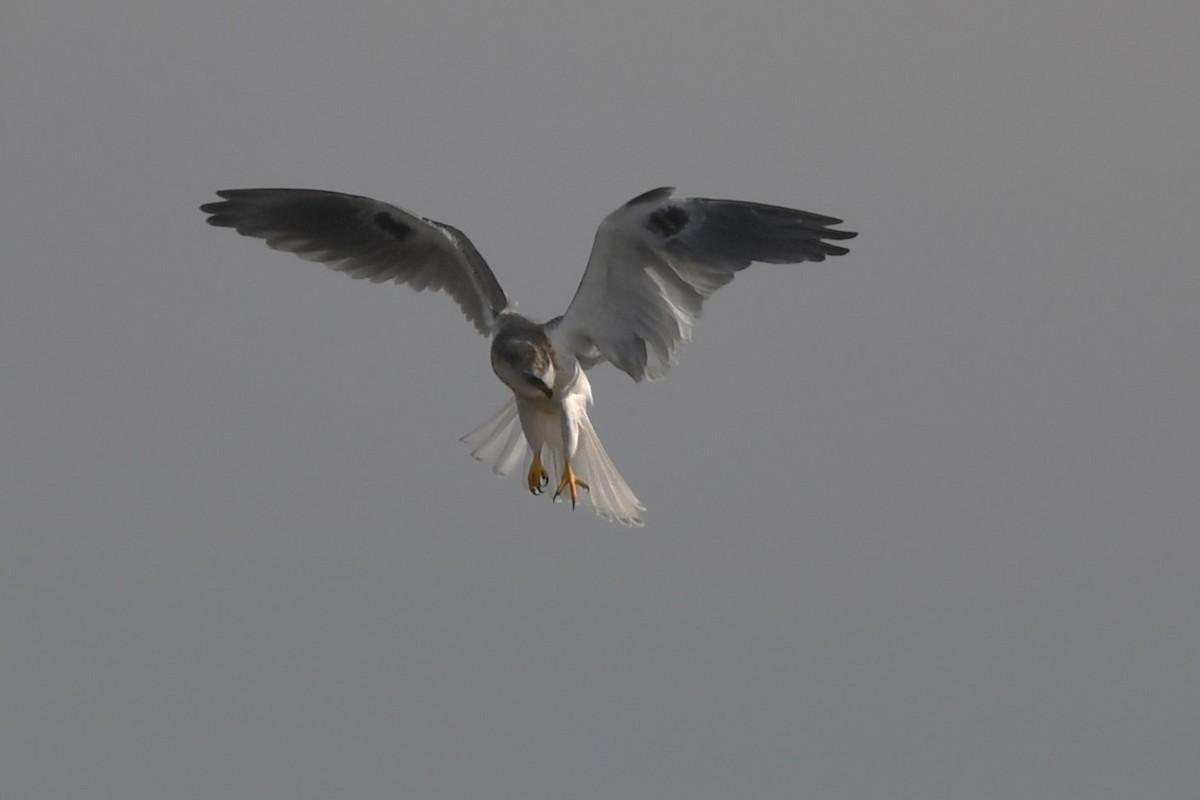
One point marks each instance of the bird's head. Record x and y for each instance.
(524, 361)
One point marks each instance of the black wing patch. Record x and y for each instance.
(391, 225)
(667, 221)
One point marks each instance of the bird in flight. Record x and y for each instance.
(654, 262)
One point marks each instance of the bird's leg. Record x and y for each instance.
(571, 484)
(538, 478)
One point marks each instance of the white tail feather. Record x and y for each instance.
(501, 440)
(609, 495)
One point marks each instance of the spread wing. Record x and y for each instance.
(656, 260)
(366, 239)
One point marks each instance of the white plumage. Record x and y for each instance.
(653, 263)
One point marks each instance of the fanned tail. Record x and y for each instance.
(608, 493)
(500, 439)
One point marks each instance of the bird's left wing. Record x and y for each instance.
(366, 239)
(656, 260)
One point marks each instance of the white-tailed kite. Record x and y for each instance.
(654, 262)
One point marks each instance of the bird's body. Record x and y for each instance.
(655, 260)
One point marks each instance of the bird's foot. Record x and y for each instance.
(571, 485)
(538, 478)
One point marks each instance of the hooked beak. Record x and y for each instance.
(540, 385)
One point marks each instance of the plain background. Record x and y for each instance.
(923, 520)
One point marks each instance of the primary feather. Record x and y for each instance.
(656, 260)
(366, 239)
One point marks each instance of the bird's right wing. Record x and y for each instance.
(366, 239)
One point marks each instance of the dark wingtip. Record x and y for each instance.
(217, 208)
(218, 217)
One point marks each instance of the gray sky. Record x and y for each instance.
(922, 520)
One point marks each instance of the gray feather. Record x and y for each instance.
(366, 239)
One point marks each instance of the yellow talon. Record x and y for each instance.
(538, 479)
(571, 484)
